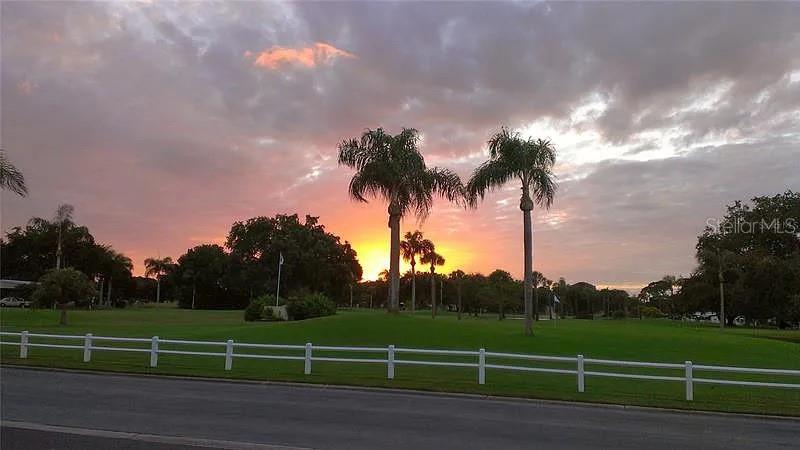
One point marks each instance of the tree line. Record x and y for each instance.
(206, 276)
(748, 265)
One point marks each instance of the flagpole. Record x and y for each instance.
(278, 292)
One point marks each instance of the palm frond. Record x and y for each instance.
(10, 177)
(487, 177)
(544, 187)
(511, 156)
(392, 168)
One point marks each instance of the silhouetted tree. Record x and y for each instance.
(392, 168)
(531, 162)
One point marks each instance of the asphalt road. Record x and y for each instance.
(46, 409)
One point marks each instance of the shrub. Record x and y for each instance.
(257, 309)
(618, 314)
(309, 305)
(254, 311)
(651, 312)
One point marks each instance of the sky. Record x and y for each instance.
(163, 123)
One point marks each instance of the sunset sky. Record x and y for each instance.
(163, 123)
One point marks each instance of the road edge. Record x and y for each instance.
(407, 391)
(144, 437)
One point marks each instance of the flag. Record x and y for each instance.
(280, 260)
(555, 298)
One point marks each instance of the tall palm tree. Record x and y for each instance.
(434, 259)
(457, 276)
(10, 177)
(392, 168)
(531, 162)
(158, 268)
(718, 258)
(411, 246)
(63, 216)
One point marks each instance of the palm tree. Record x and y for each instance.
(457, 276)
(392, 168)
(411, 246)
(63, 216)
(717, 257)
(10, 177)
(115, 264)
(539, 280)
(434, 259)
(531, 162)
(158, 268)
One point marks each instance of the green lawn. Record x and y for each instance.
(656, 341)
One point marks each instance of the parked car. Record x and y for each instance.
(14, 302)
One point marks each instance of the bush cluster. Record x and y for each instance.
(257, 309)
(651, 312)
(618, 314)
(309, 305)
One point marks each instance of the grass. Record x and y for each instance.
(648, 340)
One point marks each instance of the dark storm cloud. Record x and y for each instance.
(159, 113)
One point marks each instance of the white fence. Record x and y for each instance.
(227, 350)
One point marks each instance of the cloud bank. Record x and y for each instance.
(163, 123)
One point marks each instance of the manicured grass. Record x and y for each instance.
(648, 340)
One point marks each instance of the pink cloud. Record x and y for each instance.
(312, 56)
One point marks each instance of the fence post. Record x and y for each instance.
(23, 345)
(307, 368)
(390, 363)
(482, 366)
(154, 352)
(689, 385)
(581, 385)
(228, 354)
(87, 348)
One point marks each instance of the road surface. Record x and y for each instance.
(48, 409)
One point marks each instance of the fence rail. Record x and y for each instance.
(390, 360)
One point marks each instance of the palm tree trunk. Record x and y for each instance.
(194, 291)
(110, 280)
(526, 205)
(433, 293)
(158, 289)
(58, 248)
(458, 293)
(100, 297)
(413, 287)
(63, 319)
(394, 263)
(721, 298)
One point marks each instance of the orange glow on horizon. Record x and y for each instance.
(373, 255)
